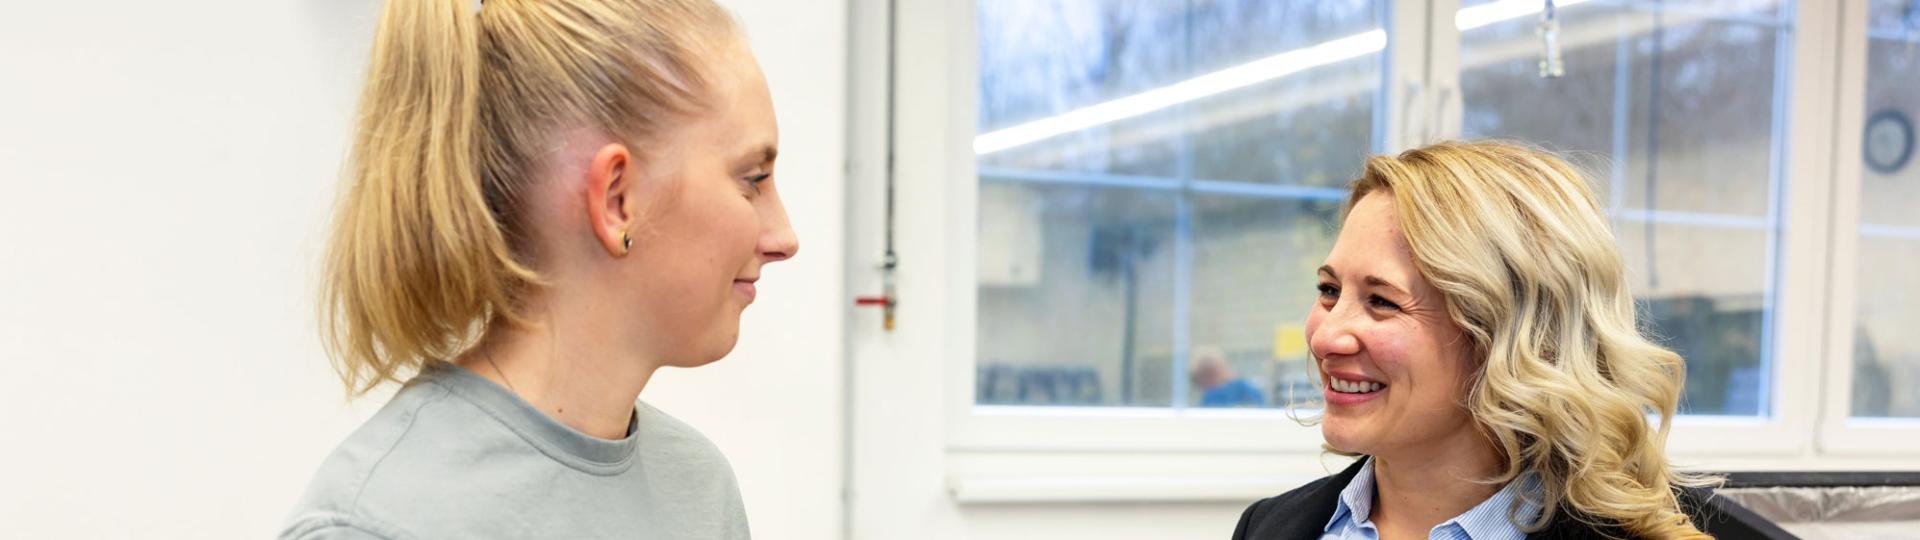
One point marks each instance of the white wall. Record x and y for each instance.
(165, 174)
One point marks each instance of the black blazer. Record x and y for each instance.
(1302, 514)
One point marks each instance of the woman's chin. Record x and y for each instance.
(707, 352)
(723, 346)
(1343, 437)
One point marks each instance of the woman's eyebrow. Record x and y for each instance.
(1374, 281)
(756, 157)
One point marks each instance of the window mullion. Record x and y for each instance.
(1183, 241)
(1841, 229)
(1445, 104)
(1401, 111)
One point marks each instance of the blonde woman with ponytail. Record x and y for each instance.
(1479, 354)
(547, 201)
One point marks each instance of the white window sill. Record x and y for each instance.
(1122, 489)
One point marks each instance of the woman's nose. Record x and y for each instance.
(778, 242)
(1334, 335)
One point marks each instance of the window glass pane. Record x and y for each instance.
(1076, 287)
(1253, 283)
(1503, 94)
(1671, 106)
(1158, 179)
(1042, 60)
(1314, 128)
(1886, 348)
(1708, 309)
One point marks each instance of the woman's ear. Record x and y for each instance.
(612, 188)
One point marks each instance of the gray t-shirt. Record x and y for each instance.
(456, 456)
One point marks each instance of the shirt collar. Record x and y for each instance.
(1495, 518)
(1487, 521)
(1356, 498)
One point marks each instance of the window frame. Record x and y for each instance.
(1840, 432)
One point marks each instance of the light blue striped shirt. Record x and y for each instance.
(1487, 521)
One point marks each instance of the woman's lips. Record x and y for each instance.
(1344, 390)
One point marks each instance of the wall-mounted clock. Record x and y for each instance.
(1889, 141)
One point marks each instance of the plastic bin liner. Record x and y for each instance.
(1838, 512)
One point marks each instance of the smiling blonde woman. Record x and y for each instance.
(1480, 355)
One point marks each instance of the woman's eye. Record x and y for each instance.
(1329, 291)
(755, 180)
(1382, 303)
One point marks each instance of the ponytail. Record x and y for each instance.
(418, 259)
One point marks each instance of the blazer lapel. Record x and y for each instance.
(1321, 502)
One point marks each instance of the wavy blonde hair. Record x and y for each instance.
(1516, 242)
(459, 110)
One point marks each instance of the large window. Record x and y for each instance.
(1158, 180)
(1886, 346)
(1111, 211)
